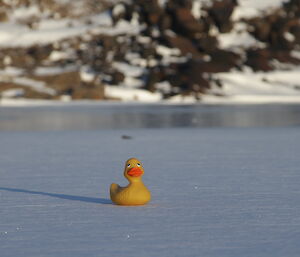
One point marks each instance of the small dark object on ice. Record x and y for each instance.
(126, 137)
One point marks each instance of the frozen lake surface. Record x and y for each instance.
(224, 191)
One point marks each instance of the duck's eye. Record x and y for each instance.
(138, 164)
(128, 165)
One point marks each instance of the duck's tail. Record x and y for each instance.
(114, 188)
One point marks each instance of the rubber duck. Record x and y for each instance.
(136, 193)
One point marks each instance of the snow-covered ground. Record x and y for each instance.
(216, 192)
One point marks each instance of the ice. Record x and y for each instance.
(216, 192)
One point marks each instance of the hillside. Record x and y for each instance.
(209, 51)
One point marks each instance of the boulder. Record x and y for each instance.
(220, 12)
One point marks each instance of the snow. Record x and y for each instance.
(131, 81)
(253, 8)
(58, 55)
(164, 86)
(239, 87)
(118, 9)
(23, 13)
(10, 72)
(50, 31)
(166, 51)
(36, 85)
(183, 99)
(50, 71)
(221, 192)
(10, 75)
(259, 87)
(10, 93)
(87, 75)
(196, 9)
(170, 55)
(238, 37)
(128, 70)
(295, 54)
(127, 94)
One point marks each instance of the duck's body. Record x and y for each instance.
(136, 193)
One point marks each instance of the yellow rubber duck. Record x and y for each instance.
(136, 193)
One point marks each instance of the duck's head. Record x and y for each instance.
(133, 170)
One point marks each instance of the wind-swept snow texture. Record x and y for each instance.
(216, 192)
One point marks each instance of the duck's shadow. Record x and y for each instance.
(61, 196)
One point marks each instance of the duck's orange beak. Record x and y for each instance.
(135, 172)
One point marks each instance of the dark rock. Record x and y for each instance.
(174, 4)
(223, 60)
(39, 53)
(186, 24)
(154, 75)
(261, 29)
(149, 11)
(259, 59)
(285, 57)
(183, 44)
(272, 29)
(221, 12)
(165, 22)
(295, 30)
(206, 44)
(117, 77)
(189, 77)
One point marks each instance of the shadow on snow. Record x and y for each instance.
(61, 196)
